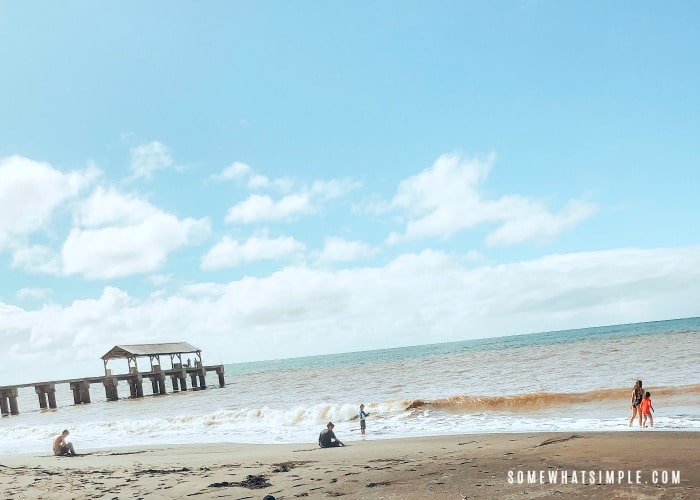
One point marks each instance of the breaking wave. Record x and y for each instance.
(539, 400)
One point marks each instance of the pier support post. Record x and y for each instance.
(51, 393)
(220, 373)
(42, 398)
(174, 381)
(85, 392)
(76, 392)
(193, 378)
(4, 408)
(44, 390)
(12, 396)
(111, 392)
(202, 382)
(136, 385)
(183, 382)
(154, 385)
(81, 391)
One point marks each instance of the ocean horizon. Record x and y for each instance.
(569, 380)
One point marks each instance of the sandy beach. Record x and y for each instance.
(445, 467)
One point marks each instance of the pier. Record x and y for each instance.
(178, 373)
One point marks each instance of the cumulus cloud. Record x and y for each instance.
(36, 259)
(298, 198)
(31, 191)
(115, 235)
(118, 251)
(425, 297)
(111, 207)
(147, 159)
(234, 171)
(239, 171)
(231, 253)
(257, 208)
(445, 199)
(341, 250)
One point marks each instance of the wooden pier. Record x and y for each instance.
(178, 374)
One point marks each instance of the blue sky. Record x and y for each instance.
(275, 179)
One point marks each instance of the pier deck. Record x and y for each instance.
(178, 374)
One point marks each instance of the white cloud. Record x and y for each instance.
(258, 208)
(234, 171)
(36, 259)
(534, 221)
(341, 250)
(147, 159)
(115, 235)
(298, 199)
(445, 199)
(31, 191)
(110, 207)
(242, 171)
(117, 251)
(231, 253)
(332, 189)
(34, 293)
(422, 298)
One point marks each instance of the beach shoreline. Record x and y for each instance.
(474, 465)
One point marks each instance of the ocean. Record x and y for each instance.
(572, 381)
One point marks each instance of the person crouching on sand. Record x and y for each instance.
(63, 448)
(646, 409)
(637, 396)
(327, 437)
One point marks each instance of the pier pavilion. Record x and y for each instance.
(157, 374)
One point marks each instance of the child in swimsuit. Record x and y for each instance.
(646, 409)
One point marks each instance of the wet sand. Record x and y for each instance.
(445, 467)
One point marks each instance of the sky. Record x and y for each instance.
(275, 179)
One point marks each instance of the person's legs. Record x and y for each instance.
(634, 414)
(651, 420)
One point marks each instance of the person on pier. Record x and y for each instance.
(62, 447)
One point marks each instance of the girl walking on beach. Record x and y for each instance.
(646, 408)
(637, 396)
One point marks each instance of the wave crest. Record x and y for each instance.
(538, 400)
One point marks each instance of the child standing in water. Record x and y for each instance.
(646, 409)
(363, 424)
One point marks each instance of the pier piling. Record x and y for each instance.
(111, 392)
(81, 391)
(220, 373)
(12, 396)
(46, 394)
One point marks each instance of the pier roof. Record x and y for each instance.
(135, 350)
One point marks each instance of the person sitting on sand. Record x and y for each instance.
(327, 437)
(646, 409)
(63, 448)
(637, 396)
